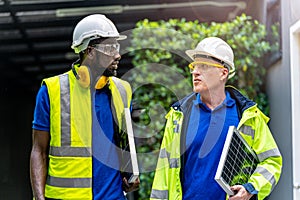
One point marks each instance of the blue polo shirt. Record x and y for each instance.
(107, 181)
(205, 138)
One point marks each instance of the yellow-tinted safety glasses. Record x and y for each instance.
(199, 66)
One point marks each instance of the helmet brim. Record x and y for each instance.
(122, 37)
(191, 53)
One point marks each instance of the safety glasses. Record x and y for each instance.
(108, 49)
(199, 66)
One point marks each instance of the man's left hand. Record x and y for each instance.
(130, 187)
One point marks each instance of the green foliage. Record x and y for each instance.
(161, 68)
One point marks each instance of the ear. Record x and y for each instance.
(224, 74)
(90, 52)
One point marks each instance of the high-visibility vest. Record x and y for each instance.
(70, 156)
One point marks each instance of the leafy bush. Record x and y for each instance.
(161, 76)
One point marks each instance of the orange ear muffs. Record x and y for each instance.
(103, 80)
(85, 81)
(84, 76)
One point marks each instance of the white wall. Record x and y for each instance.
(295, 100)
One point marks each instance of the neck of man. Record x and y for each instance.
(213, 98)
(94, 78)
(94, 73)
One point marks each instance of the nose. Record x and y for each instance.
(117, 56)
(116, 60)
(196, 73)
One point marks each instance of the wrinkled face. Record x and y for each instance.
(208, 75)
(106, 57)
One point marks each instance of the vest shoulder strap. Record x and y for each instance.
(124, 89)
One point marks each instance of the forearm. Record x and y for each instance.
(38, 173)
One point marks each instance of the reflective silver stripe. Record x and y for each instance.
(65, 110)
(247, 130)
(70, 151)
(122, 91)
(69, 182)
(270, 153)
(159, 194)
(267, 175)
(66, 149)
(174, 163)
(164, 154)
(176, 129)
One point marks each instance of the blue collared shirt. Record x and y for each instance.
(205, 138)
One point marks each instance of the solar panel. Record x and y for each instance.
(238, 161)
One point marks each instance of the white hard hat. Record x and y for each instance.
(216, 48)
(93, 27)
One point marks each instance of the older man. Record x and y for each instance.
(196, 130)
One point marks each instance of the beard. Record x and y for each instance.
(110, 72)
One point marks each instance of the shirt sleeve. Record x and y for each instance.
(41, 119)
(250, 188)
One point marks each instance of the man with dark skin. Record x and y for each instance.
(69, 137)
